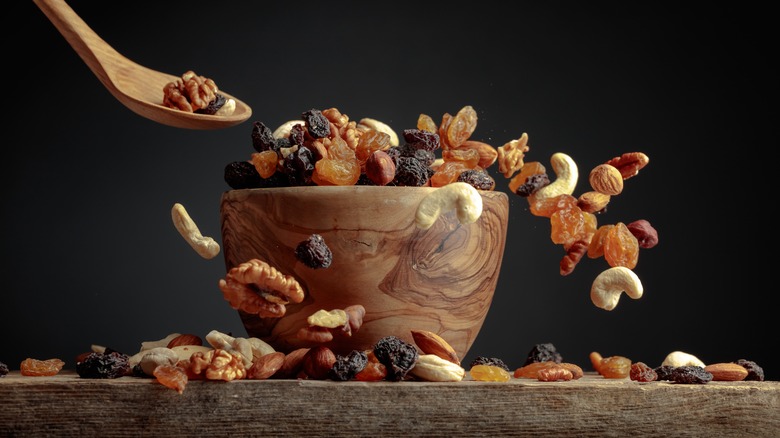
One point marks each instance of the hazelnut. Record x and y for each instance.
(318, 362)
(380, 168)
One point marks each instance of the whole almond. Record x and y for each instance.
(293, 363)
(431, 343)
(185, 339)
(265, 366)
(606, 179)
(487, 153)
(727, 372)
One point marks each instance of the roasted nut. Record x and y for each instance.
(576, 371)
(645, 234)
(217, 365)
(380, 168)
(593, 201)
(433, 368)
(553, 373)
(257, 288)
(186, 339)
(681, 358)
(727, 372)
(185, 352)
(318, 362)
(630, 163)
(328, 319)
(431, 343)
(510, 155)
(459, 196)
(607, 287)
(240, 347)
(293, 364)
(265, 366)
(574, 254)
(155, 357)
(606, 179)
(205, 246)
(566, 176)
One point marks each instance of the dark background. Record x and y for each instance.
(90, 255)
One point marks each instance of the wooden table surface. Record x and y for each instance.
(67, 405)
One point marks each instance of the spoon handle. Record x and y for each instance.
(92, 49)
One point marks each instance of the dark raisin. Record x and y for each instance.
(755, 372)
(532, 184)
(297, 134)
(493, 361)
(299, 166)
(137, 371)
(395, 152)
(364, 180)
(689, 374)
(409, 171)
(282, 142)
(108, 365)
(479, 179)
(346, 367)
(424, 156)
(242, 175)
(663, 372)
(421, 139)
(640, 372)
(262, 137)
(314, 253)
(3, 369)
(213, 106)
(397, 355)
(543, 353)
(316, 123)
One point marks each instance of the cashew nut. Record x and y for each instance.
(432, 368)
(155, 357)
(246, 348)
(607, 287)
(206, 247)
(148, 345)
(566, 175)
(459, 196)
(680, 358)
(328, 319)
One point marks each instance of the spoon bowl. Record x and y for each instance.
(137, 87)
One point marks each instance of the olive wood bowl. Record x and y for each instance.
(441, 279)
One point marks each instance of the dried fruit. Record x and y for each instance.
(262, 137)
(317, 124)
(529, 169)
(37, 367)
(621, 248)
(397, 355)
(543, 353)
(346, 367)
(172, 377)
(314, 252)
(478, 178)
(531, 371)
(3, 369)
(641, 372)
(690, 374)
(554, 373)
(374, 370)
(755, 372)
(663, 372)
(615, 367)
(107, 365)
(489, 373)
(493, 361)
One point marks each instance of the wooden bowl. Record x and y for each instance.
(441, 279)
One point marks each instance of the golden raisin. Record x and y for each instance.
(545, 207)
(461, 126)
(621, 248)
(596, 246)
(341, 168)
(171, 376)
(567, 225)
(37, 367)
(489, 373)
(447, 173)
(369, 142)
(528, 169)
(426, 123)
(615, 367)
(265, 162)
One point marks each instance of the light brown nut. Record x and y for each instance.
(265, 366)
(510, 155)
(554, 373)
(611, 283)
(217, 365)
(681, 358)
(151, 359)
(240, 347)
(205, 246)
(293, 364)
(630, 163)
(186, 351)
(430, 343)
(593, 201)
(566, 176)
(606, 179)
(380, 168)
(727, 372)
(185, 339)
(459, 196)
(574, 254)
(433, 368)
(487, 153)
(318, 362)
(241, 284)
(313, 333)
(576, 371)
(328, 318)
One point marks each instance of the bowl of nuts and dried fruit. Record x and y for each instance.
(336, 233)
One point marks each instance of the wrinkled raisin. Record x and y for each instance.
(489, 373)
(532, 184)
(755, 372)
(621, 248)
(299, 167)
(37, 367)
(461, 126)
(409, 171)
(262, 137)
(615, 367)
(374, 370)
(316, 123)
(314, 252)
(296, 136)
(528, 169)
(479, 179)
(242, 175)
(108, 365)
(689, 374)
(3, 369)
(543, 353)
(421, 139)
(346, 367)
(213, 106)
(663, 372)
(397, 355)
(265, 163)
(640, 372)
(172, 377)
(494, 361)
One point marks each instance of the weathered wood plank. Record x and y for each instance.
(66, 405)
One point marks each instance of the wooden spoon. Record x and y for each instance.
(137, 87)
